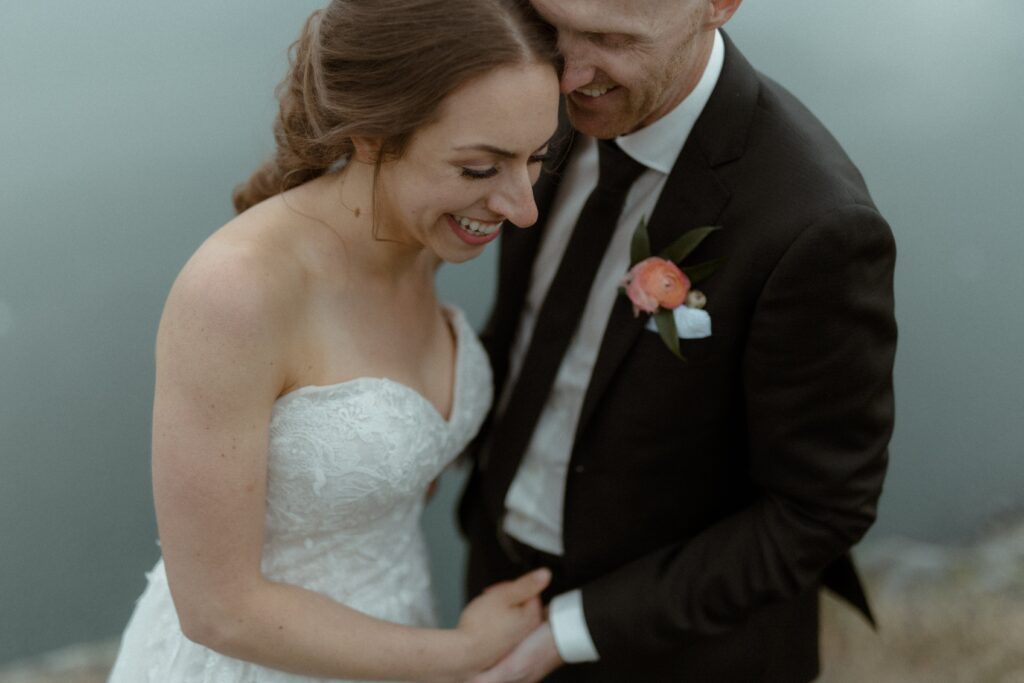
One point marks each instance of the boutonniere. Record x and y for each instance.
(656, 285)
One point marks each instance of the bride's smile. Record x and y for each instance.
(470, 173)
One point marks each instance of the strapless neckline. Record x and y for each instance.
(348, 468)
(457, 321)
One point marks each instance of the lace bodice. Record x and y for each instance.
(348, 469)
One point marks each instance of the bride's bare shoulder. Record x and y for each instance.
(248, 276)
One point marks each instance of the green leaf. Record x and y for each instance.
(689, 241)
(666, 323)
(701, 271)
(640, 246)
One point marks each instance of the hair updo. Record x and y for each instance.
(380, 69)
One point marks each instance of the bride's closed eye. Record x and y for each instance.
(477, 174)
(489, 172)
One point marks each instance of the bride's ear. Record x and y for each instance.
(366, 149)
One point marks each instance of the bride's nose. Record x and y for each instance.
(514, 200)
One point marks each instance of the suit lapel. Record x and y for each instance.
(693, 196)
(684, 204)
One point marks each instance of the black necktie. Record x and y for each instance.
(556, 323)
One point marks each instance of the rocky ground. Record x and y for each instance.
(946, 615)
(950, 614)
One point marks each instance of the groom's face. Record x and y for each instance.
(628, 63)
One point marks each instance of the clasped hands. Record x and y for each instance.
(505, 634)
(534, 658)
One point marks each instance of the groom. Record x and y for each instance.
(690, 510)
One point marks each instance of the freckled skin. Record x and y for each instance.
(298, 292)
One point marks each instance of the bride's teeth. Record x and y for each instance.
(476, 227)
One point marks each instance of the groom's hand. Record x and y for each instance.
(528, 662)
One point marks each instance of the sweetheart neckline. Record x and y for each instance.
(457, 322)
(316, 388)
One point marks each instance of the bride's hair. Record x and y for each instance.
(380, 69)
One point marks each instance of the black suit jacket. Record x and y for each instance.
(706, 500)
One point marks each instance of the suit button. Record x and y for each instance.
(578, 469)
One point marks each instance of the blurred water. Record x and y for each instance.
(927, 98)
(123, 127)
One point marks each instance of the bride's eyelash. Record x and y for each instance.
(493, 170)
(478, 175)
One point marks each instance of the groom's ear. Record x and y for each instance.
(721, 11)
(366, 149)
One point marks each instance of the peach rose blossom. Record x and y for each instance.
(655, 282)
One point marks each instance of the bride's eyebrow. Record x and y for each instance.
(498, 151)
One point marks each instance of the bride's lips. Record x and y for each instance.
(469, 237)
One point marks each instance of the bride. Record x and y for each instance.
(309, 385)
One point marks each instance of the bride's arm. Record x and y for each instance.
(220, 351)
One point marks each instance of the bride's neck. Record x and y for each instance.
(344, 203)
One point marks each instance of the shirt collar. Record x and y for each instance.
(656, 146)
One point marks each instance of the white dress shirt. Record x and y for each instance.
(535, 498)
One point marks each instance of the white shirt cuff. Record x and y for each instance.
(569, 627)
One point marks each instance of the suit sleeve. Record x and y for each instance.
(817, 379)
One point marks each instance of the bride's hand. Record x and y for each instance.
(502, 616)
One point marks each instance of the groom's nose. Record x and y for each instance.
(578, 69)
(576, 75)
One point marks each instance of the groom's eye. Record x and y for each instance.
(541, 158)
(610, 40)
(478, 173)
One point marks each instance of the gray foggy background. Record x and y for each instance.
(124, 126)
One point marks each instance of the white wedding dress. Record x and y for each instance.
(348, 469)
